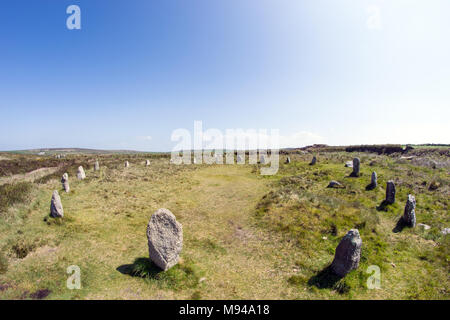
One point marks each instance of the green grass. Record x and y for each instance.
(246, 236)
(11, 194)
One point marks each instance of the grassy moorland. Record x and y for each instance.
(246, 236)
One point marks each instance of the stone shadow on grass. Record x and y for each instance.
(325, 278)
(401, 224)
(383, 206)
(370, 186)
(141, 268)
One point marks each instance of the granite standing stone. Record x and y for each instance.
(165, 239)
(65, 182)
(81, 174)
(356, 163)
(348, 253)
(390, 192)
(96, 166)
(56, 208)
(409, 215)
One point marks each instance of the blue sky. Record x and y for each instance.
(325, 71)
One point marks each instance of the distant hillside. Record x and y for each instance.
(54, 151)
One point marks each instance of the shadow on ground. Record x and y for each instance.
(383, 206)
(399, 226)
(326, 278)
(141, 268)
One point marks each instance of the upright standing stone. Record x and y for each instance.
(81, 174)
(313, 161)
(147, 162)
(288, 160)
(56, 208)
(348, 253)
(96, 166)
(356, 163)
(239, 159)
(127, 164)
(65, 182)
(373, 181)
(390, 192)
(409, 215)
(165, 239)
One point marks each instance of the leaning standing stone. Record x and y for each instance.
(313, 161)
(355, 172)
(348, 253)
(56, 209)
(165, 239)
(80, 174)
(390, 192)
(65, 182)
(96, 166)
(409, 215)
(127, 164)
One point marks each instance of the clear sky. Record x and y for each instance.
(321, 71)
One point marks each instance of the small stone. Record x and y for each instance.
(356, 163)
(96, 166)
(201, 280)
(349, 164)
(65, 182)
(81, 174)
(424, 226)
(445, 231)
(334, 184)
(347, 254)
(390, 192)
(56, 208)
(409, 215)
(165, 239)
(147, 162)
(324, 238)
(393, 264)
(313, 161)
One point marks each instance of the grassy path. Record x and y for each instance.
(224, 256)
